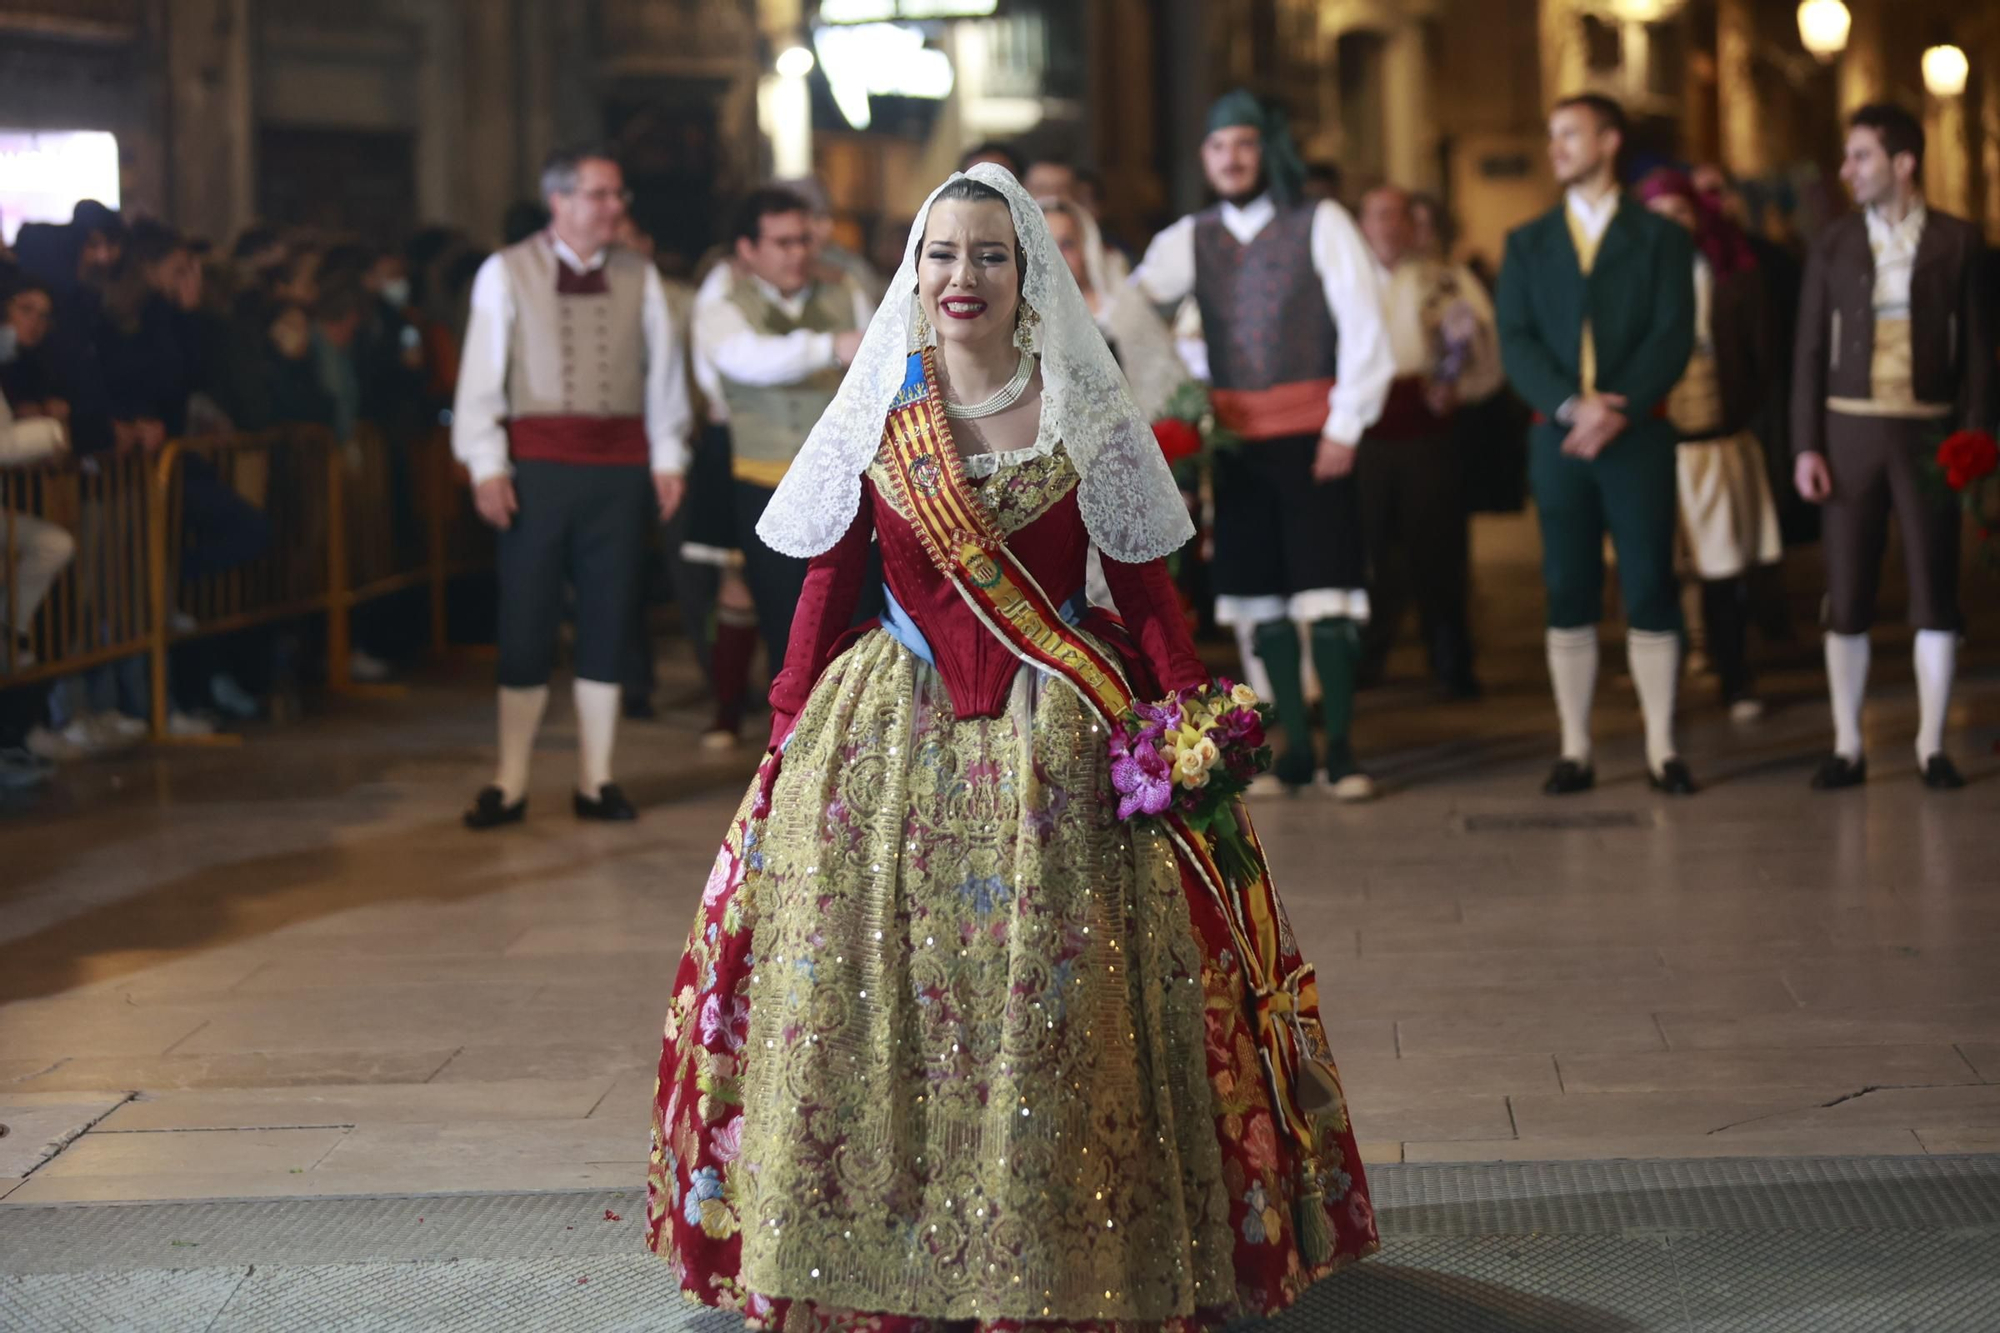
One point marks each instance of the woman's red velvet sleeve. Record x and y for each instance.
(1150, 606)
(825, 611)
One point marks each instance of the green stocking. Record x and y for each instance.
(1277, 645)
(1336, 650)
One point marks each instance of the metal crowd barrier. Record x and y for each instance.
(98, 609)
(334, 526)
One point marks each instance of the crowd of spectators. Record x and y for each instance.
(118, 335)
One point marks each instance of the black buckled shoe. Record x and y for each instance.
(1940, 774)
(1673, 779)
(1837, 771)
(1568, 778)
(490, 810)
(610, 807)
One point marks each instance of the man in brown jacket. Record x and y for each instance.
(1894, 351)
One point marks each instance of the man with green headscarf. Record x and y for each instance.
(1299, 366)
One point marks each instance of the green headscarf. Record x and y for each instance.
(1284, 172)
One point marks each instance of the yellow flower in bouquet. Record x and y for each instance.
(1189, 771)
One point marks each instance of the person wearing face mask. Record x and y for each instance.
(389, 351)
(1300, 365)
(1894, 351)
(572, 416)
(931, 984)
(779, 336)
(1596, 313)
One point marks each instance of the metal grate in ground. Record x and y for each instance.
(1819, 1245)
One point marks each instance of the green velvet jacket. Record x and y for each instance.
(1639, 297)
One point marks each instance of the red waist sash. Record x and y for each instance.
(588, 441)
(1299, 408)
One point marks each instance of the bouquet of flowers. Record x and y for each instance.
(1192, 754)
(1187, 427)
(1967, 461)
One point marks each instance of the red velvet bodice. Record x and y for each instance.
(977, 668)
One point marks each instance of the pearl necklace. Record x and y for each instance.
(1009, 394)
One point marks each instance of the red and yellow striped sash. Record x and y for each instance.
(966, 545)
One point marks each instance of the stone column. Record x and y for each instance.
(538, 55)
(1948, 155)
(1189, 70)
(1745, 138)
(1701, 95)
(1864, 75)
(1409, 149)
(491, 160)
(1124, 140)
(1988, 69)
(212, 139)
(443, 178)
(1563, 68)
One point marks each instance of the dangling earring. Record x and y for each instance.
(1026, 321)
(920, 328)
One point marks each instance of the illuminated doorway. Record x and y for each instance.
(44, 173)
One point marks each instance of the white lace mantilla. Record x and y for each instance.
(1130, 502)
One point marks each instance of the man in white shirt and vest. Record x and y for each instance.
(1300, 366)
(572, 416)
(1894, 352)
(780, 335)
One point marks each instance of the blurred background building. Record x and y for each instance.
(375, 116)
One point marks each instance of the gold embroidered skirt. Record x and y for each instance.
(952, 1042)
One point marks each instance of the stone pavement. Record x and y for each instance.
(283, 971)
(1816, 1245)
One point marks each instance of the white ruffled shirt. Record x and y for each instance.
(1895, 248)
(1347, 276)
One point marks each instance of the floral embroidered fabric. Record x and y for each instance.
(952, 1048)
(1024, 485)
(949, 1040)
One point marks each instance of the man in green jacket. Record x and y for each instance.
(1596, 316)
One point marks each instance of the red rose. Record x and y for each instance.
(1965, 456)
(1178, 439)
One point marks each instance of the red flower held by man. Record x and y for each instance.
(1178, 439)
(1965, 456)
